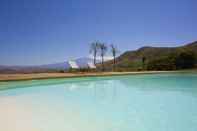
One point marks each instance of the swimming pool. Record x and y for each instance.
(157, 102)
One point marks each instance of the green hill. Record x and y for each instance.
(156, 58)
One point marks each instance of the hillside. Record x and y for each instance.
(132, 60)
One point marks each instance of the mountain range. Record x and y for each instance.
(81, 62)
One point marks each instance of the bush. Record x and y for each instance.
(61, 71)
(164, 63)
(185, 60)
(180, 60)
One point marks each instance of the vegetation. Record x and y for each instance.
(114, 52)
(143, 62)
(162, 63)
(103, 50)
(185, 59)
(156, 58)
(94, 50)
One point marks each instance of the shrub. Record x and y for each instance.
(164, 63)
(184, 59)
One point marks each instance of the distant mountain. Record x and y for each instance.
(132, 60)
(60, 66)
(81, 62)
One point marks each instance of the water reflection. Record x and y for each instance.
(113, 89)
(101, 90)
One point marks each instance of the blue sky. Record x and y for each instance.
(34, 32)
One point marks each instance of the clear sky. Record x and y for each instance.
(34, 32)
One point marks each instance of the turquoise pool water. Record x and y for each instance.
(159, 102)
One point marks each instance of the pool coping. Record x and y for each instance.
(39, 76)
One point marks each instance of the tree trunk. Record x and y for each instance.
(114, 64)
(102, 63)
(94, 58)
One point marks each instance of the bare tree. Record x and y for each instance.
(103, 50)
(94, 50)
(114, 52)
